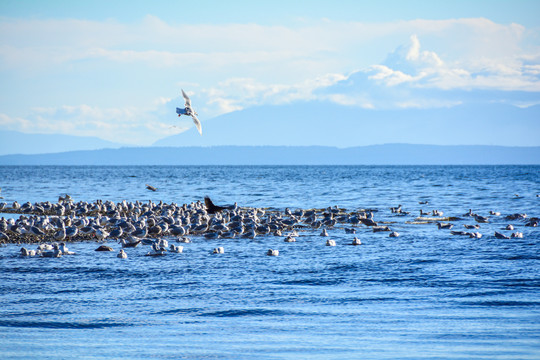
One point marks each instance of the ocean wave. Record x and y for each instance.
(61, 324)
(245, 313)
(311, 282)
(180, 311)
(498, 303)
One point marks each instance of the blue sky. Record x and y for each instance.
(115, 69)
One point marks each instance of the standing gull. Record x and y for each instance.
(189, 112)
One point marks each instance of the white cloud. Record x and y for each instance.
(409, 77)
(304, 51)
(231, 67)
(413, 77)
(238, 93)
(423, 57)
(125, 126)
(390, 77)
(350, 100)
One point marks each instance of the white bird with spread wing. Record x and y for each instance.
(189, 112)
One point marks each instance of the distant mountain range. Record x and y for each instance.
(326, 124)
(329, 124)
(13, 142)
(389, 154)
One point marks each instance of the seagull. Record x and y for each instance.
(189, 111)
(219, 250)
(272, 252)
(176, 249)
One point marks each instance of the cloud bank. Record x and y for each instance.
(128, 75)
(130, 126)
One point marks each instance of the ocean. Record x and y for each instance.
(426, 294)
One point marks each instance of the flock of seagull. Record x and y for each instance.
(132, 224)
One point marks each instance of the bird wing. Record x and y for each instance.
(197, 123)
(188, 102)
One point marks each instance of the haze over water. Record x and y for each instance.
(426, 294)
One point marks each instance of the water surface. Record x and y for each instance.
(424, 295)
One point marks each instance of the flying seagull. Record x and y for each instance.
(189, 112)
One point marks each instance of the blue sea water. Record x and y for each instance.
(424, 295)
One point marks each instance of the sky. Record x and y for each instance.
(114, 70)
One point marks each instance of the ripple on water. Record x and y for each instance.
(62, 324)
(499, 303)
(425, 294)
(245, 313)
